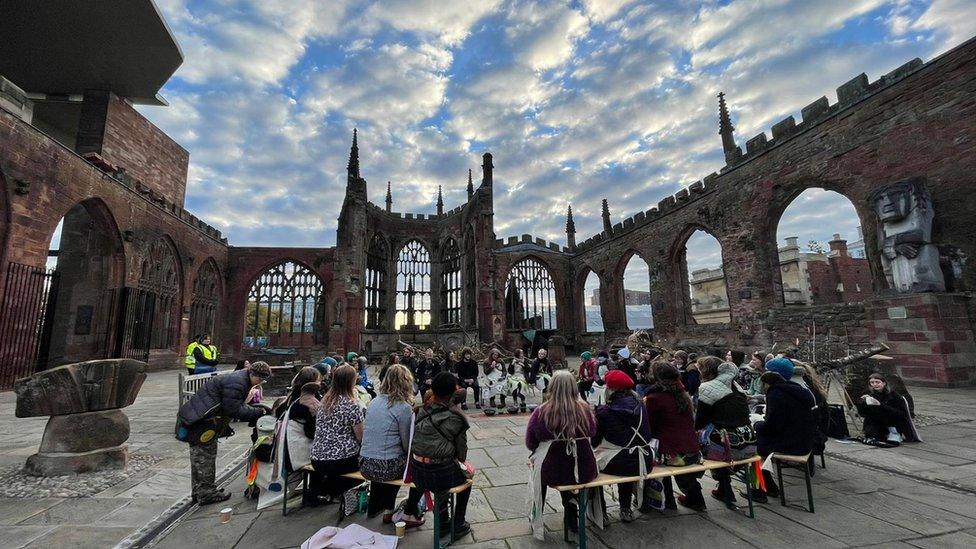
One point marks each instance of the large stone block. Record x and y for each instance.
(50, 465)
(85, 432)
(80, 387)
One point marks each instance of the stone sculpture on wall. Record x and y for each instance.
(87, 429)
(910, 259)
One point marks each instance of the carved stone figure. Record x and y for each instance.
(911, 261)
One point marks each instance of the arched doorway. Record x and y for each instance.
(87, 263)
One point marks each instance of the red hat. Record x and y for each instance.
(618, 381)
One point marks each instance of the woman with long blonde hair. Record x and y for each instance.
(338, 435)
(386, 442)
(558, 435)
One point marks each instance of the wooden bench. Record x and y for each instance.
(661, 471)
(308, 469)
(803, 463)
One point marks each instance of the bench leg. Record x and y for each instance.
(809, 493)
(782, 487)
(437, 520)
(284, 500)
(581, 536)
(823, 462)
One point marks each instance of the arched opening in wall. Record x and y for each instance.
(637, 294)
(285, 308)
(205, 301)
(75, 297)
(156, 303)
(592, 310)
(821, 251)
(470, 294)
(413, 287)
(377, 259)
(702, 268)
(530, 297)
(451, 284)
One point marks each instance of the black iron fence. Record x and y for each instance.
(25, 321)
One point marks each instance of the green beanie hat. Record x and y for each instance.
(586, 355)
(351, 356)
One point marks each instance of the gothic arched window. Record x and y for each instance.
(451, 284)
(530, 297)
(285, 303)
(206, 298)
(376, 281)
(413, 287)
(156, 302)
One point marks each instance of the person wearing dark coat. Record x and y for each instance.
(672, 418)
(467, 373)
(440, 447)
(790, 426)
(542, 365)
(205, 416)
(622, 423)
(426, 370)
(887, 415)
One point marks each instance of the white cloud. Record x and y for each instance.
(955, 20)
(545, 33)
(450, 22)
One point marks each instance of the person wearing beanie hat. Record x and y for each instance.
(782, 366)
(790, 426)
(887, 416)
(627, 364)
(587, 374)
(351, 356)
(622, 440)
(723, 405)
(617, 380)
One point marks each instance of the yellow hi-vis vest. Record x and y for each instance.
(189, 361)
(209, 352)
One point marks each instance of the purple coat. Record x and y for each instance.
(558, 467)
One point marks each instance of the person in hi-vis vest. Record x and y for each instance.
(201, 356)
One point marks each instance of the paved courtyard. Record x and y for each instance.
(866, 496)
(921, 495)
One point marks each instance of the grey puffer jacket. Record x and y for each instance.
(222, 396)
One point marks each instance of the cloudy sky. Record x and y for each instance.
(577, 101)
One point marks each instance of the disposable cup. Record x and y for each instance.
(225, 514)
(401, 529)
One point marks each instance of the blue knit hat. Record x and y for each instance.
(782, 366)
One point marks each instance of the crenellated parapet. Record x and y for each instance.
(527, 242)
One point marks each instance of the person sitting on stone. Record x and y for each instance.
(541, 372)
(887, 417)
(440, 446)
(587, 373)
(672, 418)
(789, 426)
(517, 384)
(205, 417)
(467, 372)
(623, 435)
(494, 378)
(723, 406)
(426, 370)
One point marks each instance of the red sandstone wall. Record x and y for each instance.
(149, 155)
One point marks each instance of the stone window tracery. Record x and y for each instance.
(530, 297)
(451, 284)
(413, 287)
(376, 282)
(285, 302)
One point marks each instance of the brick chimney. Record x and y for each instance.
(838, 246)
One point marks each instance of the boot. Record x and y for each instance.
(491, 402)
(502, 405)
